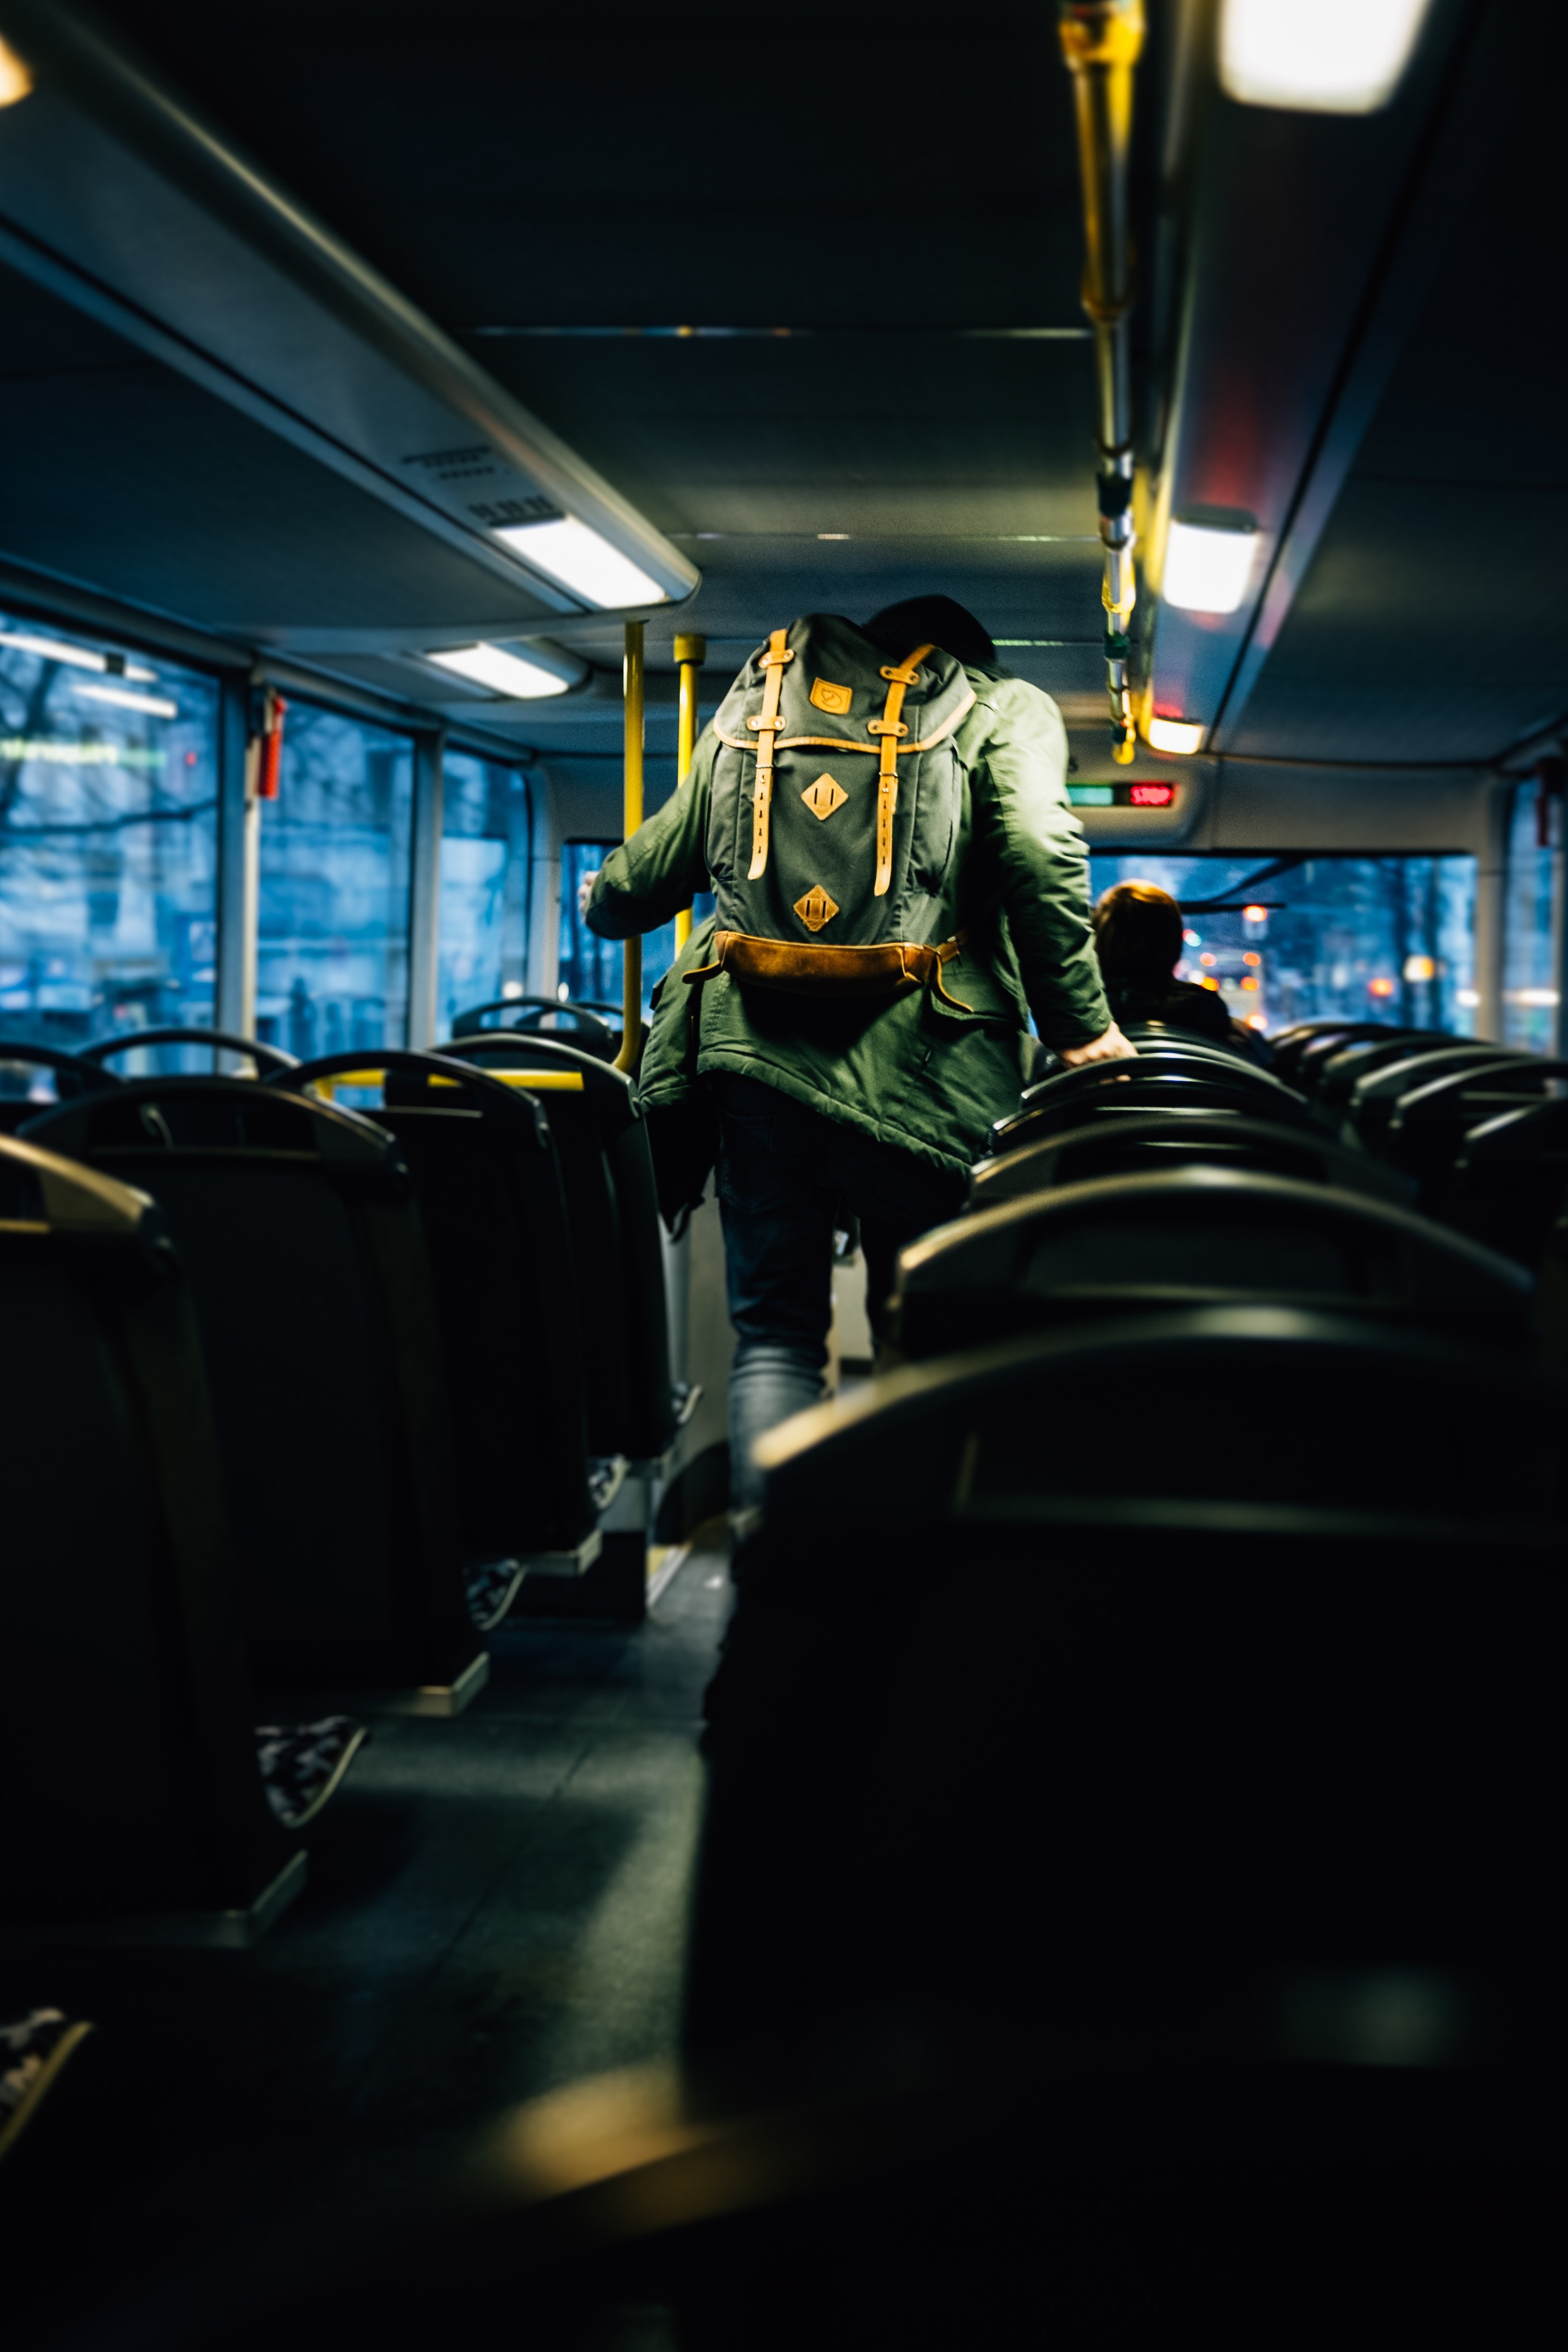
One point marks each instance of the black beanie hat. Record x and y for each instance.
(938, 620)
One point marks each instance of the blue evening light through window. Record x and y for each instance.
(590, 968)
(1530, 983)
(487, 836)
(108, 841)
(1368, 939)
(332, 965)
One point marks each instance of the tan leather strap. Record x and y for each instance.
(808, 971)
(889, 727)
(767, 728)
(844, 743)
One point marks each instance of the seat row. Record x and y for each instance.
(296, 1394)
(1191, 1581)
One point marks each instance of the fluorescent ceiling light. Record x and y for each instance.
(584, 563)
(1178, 735)
(1316, 56)
(157, 706)
(78, 657)
(503, 673)
(1208, 564)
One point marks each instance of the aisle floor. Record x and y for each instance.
(496, 1905)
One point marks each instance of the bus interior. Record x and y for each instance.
(1114, 1893)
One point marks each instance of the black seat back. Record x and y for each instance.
(20, 1065)
(1371, 1102)
(301, 1240)
(1337, 1078)
(583, 1025)
(1134, 1147)
(1196, 1235)
(215, 1041)
(611, 1199)
(485, 1166)
(1508, 1184)
(129, 1779)
(1237, 1617)
(1311, 1059)
(1285, 1046)
(1138, 1090)
(1427, 1126)
(1149, 1035)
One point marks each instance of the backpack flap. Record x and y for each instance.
(834, 811)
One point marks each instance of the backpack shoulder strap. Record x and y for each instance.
(766, 727)
(889, 727)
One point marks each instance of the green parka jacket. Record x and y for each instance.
(911, 1069)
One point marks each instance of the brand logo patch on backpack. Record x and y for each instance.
(825, 795)
(828, 697)
(815, 908)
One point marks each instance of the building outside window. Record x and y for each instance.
(590, 968)
(1530, 983)
(486, 844)
(333, 964)
(1314, 939)
(108, 841)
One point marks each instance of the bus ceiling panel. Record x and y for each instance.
(513, 167)
(797, 434)
(119, 198)
(1311, 240)
(123, 476)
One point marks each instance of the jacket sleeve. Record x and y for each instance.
(660, 869)
(1029, 850)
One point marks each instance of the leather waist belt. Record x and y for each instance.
(810, 970)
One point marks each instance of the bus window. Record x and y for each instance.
(332, 961)
(1309, 938)
(1529, 972)
(487, 832)
(108, 838)
(590, 970)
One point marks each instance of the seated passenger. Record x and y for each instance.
(1138, 938)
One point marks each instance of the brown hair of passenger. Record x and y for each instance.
(1138, 933)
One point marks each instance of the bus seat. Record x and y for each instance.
(130, 1776)
(262, 1057)
(487, 1177)
(1192, 1236)
(1428, 1126)
(1337, 1078)
(1507, 1186)
(1134, 1147)
(1148, 1035)
(1312, 1058)
(611, 1200)
(302, 1245)
(584, 1024)
(1212, 1631)
(1369, 1105)
(21, 1066)
(1138, 1089)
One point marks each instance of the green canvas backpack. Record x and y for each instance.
(836, 800)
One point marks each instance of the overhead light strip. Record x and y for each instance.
(584, 562)
(1317, 57)
(157, 706)
(77, 656)
(502, 672)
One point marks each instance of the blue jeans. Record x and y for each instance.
(788, 1176)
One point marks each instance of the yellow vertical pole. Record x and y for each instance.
(1102, 41)
(689, 654)
(632, 688)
